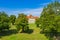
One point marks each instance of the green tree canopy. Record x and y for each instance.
(12, 19)
(4, 21)
(22, 22)
(49, 19)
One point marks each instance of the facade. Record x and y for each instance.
(31, 19)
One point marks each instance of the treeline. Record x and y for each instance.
(21, 22)
(49, 20)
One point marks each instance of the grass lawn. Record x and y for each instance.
(35, 35)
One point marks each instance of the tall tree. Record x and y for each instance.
(49, 19)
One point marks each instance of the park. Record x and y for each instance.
(23, 27)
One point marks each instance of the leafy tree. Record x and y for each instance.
(37, 22)
(4, 21)
(12, 19)
(49, 19)
(22, 22)
(57, 21)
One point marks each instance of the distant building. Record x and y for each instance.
(31, 19)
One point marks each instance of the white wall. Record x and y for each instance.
(31, 20)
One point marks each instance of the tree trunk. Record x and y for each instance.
(23, 29)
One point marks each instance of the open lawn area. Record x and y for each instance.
(34, 35)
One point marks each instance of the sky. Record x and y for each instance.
(14, 7)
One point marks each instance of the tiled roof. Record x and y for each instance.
(33, 17)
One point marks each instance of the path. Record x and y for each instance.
(36, 30)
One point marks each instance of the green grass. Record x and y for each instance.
(24, 36)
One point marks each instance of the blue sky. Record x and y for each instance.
(14, 7)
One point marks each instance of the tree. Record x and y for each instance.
(49, 19)
(37, 22)
(12, 19)
(57, 21)
(4, 21)
(22, 22)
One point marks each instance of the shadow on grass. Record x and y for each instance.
(8, 32)
(29, 31)
(52, 35)
(58, 35)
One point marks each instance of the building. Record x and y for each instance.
(31, 19)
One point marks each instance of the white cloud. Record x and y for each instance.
(45, 4)
(34, 12)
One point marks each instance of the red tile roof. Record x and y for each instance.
(33, 17)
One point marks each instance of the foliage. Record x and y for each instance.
(50, 19)
(37, 22)
(22, 22)
(12, 19)
(25, 36)
(4, 21)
